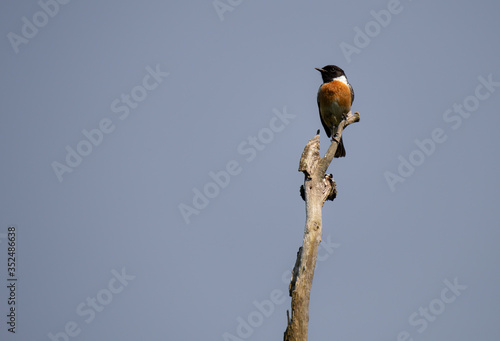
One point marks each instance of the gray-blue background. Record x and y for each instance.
(119, 208)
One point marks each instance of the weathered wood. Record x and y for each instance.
(318, 187)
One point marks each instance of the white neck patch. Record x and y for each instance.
(342, 79)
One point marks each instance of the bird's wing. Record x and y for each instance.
(352, 93)
(328, 130)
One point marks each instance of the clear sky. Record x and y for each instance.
(149, 167)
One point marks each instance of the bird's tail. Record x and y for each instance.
(340, 149)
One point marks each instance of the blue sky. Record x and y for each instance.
(149, 166)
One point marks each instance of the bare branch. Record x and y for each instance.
(318, 187)
(337, 134)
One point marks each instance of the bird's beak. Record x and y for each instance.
(320, 70)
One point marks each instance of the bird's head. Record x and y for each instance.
(330, 72)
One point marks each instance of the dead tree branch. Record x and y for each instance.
(318, 187)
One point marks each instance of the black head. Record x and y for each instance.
(330, 72)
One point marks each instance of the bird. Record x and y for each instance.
(335, 97)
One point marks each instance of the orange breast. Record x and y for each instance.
(335, 93)
(334, 101)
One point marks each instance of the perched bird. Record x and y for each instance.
(335, 97)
